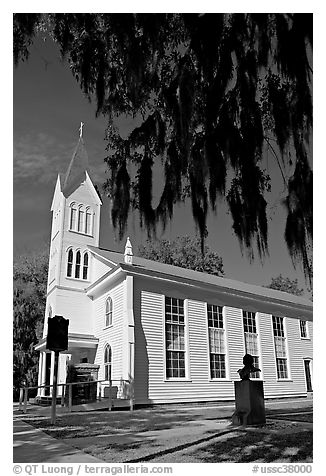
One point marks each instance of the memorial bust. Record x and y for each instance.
(248, 367)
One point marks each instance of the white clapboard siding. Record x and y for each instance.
(295, 355)
(267, 352)
(198, 342)
(149, 345)
(112, 335)
(202, 387)
(99, 268)
(235, 340)
(295, 384)
(75, 306)
(307, 344)
(150, 382)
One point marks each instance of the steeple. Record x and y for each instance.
(76, 172)
(128, 252)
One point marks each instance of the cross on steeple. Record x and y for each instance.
(81, 129)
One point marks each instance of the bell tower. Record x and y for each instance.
(76, 208)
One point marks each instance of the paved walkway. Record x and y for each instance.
(128, 436)
(32, 445)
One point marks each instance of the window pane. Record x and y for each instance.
(80, 220)
(216, 335)
(251, 343)
(175, 364)
(85, 267)
(215, 316)
(278, 326)
(108, 312)
(249, 322)
(303, 329)
(107, 362)
(88, 218)
(77, 268)
(175, 337)
(73, 216)
(217, 363)
(69, 264)
(282, 368)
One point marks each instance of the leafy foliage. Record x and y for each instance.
(287, 285)
(183, 252)
(30, 279)
(209, 92)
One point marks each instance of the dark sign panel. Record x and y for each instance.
(57, 338)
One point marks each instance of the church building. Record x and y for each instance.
(169, 334)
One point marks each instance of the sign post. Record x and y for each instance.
(54, 388)
(57, 340)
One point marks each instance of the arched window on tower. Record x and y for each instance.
(108, 312)
(73, 216)
(77, 268)
(85, 266)
(88, 221)
(70, 263)
(107, 362)
(81, 219)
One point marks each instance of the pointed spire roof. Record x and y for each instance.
(128, 252)
(76, 172)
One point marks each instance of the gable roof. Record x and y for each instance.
(139, 264)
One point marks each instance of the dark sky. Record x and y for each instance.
(48, 107)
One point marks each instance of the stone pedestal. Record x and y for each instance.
(249, 403)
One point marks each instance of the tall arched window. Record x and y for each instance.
(77, 268)
(85, 266)
(88, 221)
(73, 216)
(108, 312)
(81, 219)
(107, 362)
(70, 262)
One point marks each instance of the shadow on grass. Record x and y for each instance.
(293, 447)
(108, 423)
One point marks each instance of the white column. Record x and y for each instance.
(39, 377)
(43, 372)
(52, 371)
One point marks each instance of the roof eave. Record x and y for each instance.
(284, 307)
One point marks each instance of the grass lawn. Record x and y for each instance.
(115, 437)
(250, 446)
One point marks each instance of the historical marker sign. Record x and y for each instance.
(57, 338)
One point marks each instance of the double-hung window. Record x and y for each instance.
(108, 312)
(88, 222)
(216, 335)
(81, 219)
(303, 330)
(251, 338)
(77, 266)
(175, 338)
(280, 347)
(85, 266)
(73, 216)
(70, 261)
(107, 362)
